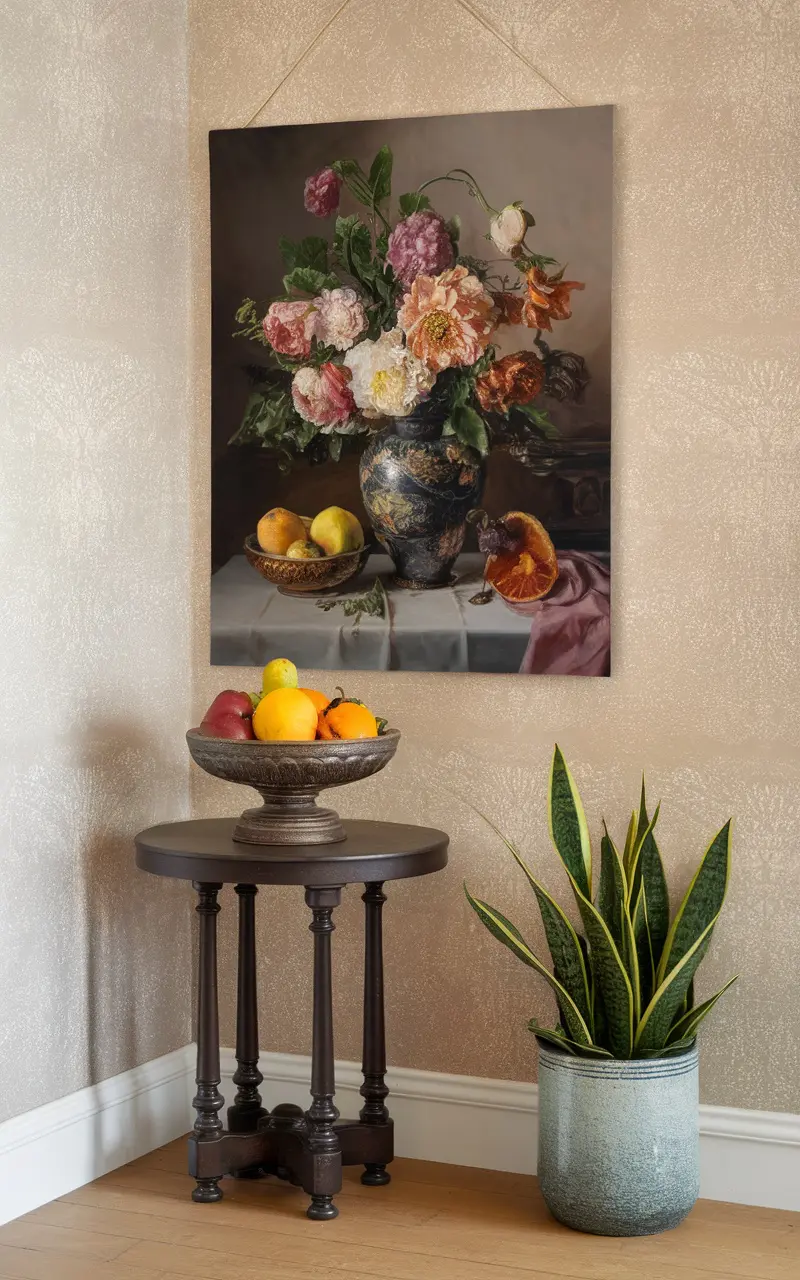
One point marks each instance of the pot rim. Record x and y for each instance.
(673, 1063)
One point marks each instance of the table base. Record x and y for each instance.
(307, 1148)
(282, 1145)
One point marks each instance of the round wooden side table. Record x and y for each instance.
(307, 1148)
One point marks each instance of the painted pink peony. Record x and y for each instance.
(419, 246)
(447, 319)
(323, 395)
(321, 193)
(289, 328)
(340, 318)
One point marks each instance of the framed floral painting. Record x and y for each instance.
(411, 393)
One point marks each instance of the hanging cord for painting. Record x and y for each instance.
(487, 26)
(464, 4)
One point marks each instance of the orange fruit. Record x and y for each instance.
(285, 715)
(320, 700)
(529, 570)
(347, 720)
(278, 529)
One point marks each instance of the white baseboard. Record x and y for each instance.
(63, 1145)
(748, 1157)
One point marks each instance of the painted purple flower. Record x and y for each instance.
(420, 246)
(321, 193)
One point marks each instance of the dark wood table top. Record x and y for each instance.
(204, 850)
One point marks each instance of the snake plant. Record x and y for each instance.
(624, 986)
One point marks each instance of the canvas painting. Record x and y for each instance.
(411, 393)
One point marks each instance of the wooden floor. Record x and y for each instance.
(435, 1222)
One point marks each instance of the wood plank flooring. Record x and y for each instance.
(435, 1222)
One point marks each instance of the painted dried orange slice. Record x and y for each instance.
(526, 570)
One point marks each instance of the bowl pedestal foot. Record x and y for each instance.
(289, 818)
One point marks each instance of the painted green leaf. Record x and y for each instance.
(563, 1042)
(413, 202)
(307, 280)
(612, 889)
(311, 251)
(659, 1016)
(380, 175)
(470, 428)
(702, 903)
(688, 1024)
(506, 933)
(612, 979)
(568, 828)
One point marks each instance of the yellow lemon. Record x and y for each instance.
(285, 715)
(336, 531)
(279, 674)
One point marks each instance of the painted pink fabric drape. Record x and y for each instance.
(570, 628)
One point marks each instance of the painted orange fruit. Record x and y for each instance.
(524, 567)
(343, 719)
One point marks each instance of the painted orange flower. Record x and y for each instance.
(516, 379)
(509, 307)
(447, 319)
(548, 299)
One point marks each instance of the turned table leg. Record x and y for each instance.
(323, 1139)
(246, 1111)
(374, 1090)
(208, 1100)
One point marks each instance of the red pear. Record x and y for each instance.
(229, 716)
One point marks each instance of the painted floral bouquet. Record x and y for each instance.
(390, 319)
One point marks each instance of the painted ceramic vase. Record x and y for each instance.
(619, 1148)
(418, 486)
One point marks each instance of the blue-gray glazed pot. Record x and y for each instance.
(619, 1147)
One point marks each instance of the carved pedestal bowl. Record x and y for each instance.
(289, 776)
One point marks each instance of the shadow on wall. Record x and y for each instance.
(136, 928)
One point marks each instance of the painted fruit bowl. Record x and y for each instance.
(289, 776)
(301, 577)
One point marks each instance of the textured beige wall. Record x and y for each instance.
(94, 656)
(707, 495)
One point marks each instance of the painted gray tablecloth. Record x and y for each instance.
(252, 622)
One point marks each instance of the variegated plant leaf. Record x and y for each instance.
(611, 977)
(630, 841)
(568, 827)
(569, 966)
(644, 947)
(612, 889)
(563, 1042)
(686, 1026)
(702, 903)
(648, 870)
(510, 936)
(678, 1047)
(659, 1016)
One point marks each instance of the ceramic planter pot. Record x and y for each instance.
(619, 1150)
(417, 487)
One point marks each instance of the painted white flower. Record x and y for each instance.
(507, 229)
(387, 380)
(339, 318)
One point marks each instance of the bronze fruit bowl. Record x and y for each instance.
(304, 577)
(289, 776)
